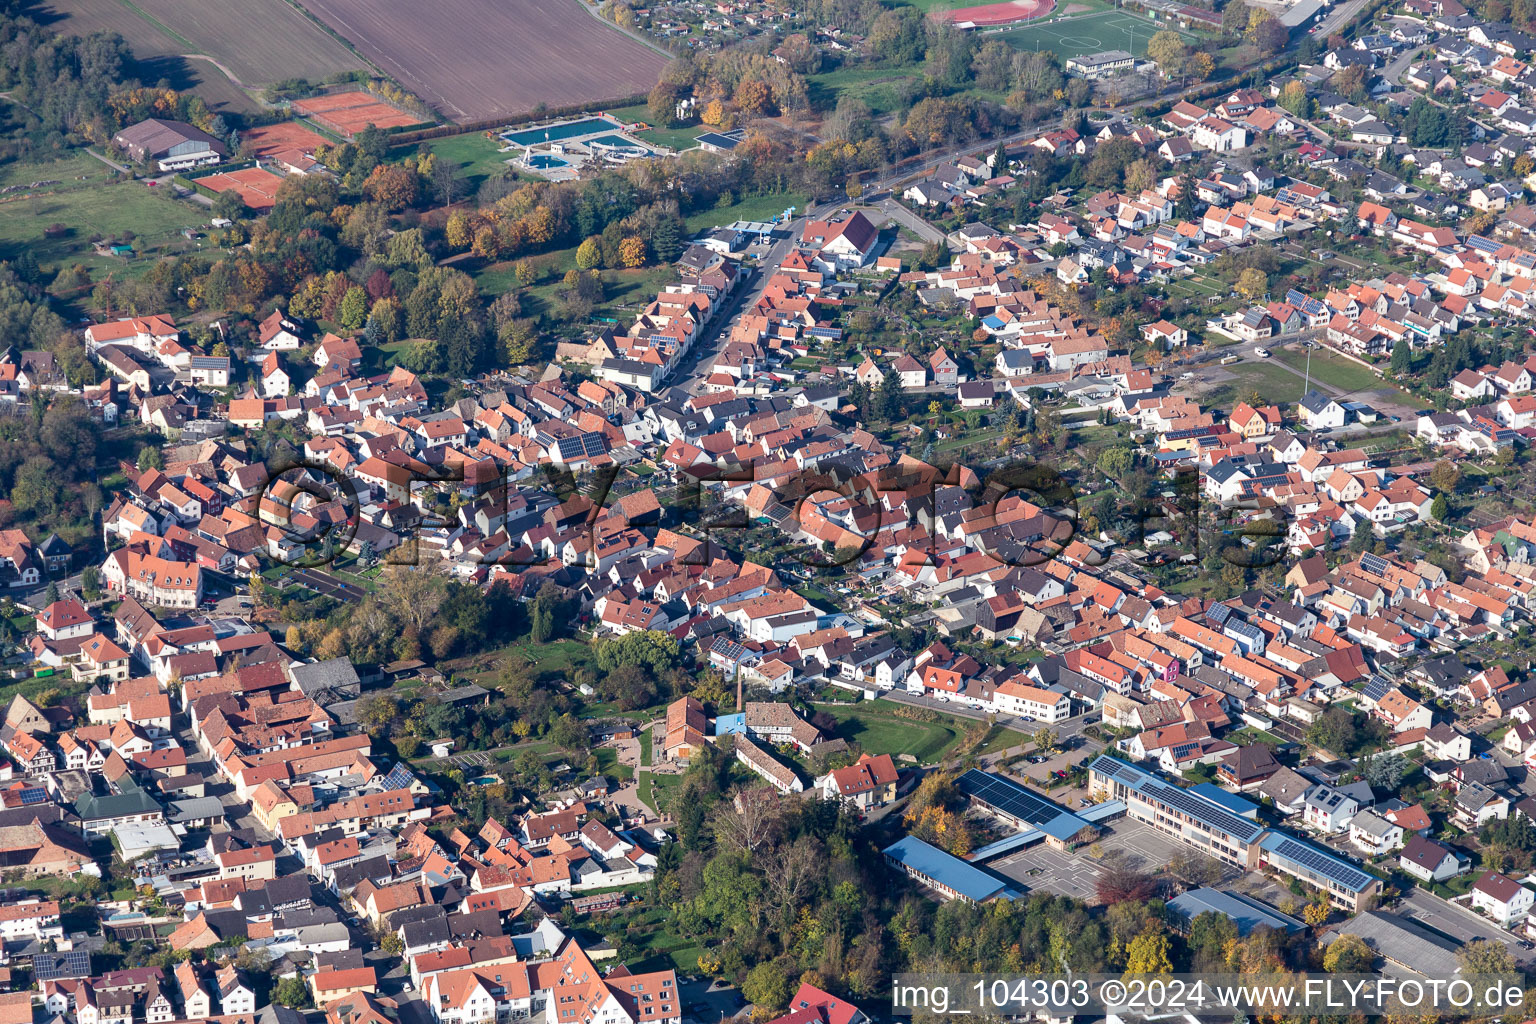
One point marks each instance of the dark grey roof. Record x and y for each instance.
(335, 674)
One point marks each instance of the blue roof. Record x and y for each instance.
(949, 871)
(1231, 801)
(1247, 913)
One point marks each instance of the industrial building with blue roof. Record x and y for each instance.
(945, 874)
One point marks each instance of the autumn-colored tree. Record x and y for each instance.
(486, 245)
(753, 97)
(1168, 49)
(632, 251)
(1316, 914)
(387, 315)
(457, 231)
(589, 253)
(1444, 476)
(1140, 176)
(392, 186)
(1348, 954)
(1252, 283)
(527, 273)
(714, 114)
(1149, 953)
(1200, 67)
(1293, 97)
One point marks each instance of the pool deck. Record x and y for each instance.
(580, 134)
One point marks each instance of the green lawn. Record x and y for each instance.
(1089, 33)
(884, 90)
(654, 788)
(478, 157)
(1273, 383)
(747, 208)
(1331, 369)
(155, 219)
(879, 730)
(70, 171)
(672, 138)
(621, 288)
(608, 764)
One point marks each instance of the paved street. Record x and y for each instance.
(1456, 922)
(1339, 17)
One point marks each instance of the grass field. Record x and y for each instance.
(1273, 383)
(259, 41)
(879, 730)
(1330, 369)
(478, 157)
(672, 138)
(1090, 33)
(883, 90)
(747, 208)
(107, 210)
(77, 169)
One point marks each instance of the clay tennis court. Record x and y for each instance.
(350, 112)
(999, 14)
(257, 188)
(475, 61)
(271, 139)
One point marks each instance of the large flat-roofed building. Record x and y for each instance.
(1344, 882)
(1026, 810)
(1206, 817)
(947, 875)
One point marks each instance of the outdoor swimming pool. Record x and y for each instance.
(544, 161)
(616, 141)
(556, 132)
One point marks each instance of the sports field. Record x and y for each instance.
(1090, 33)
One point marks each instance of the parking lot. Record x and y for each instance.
(326, 585)
(1076, 874)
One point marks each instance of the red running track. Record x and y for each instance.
(1001, 14)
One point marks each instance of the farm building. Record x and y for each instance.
(174, 145)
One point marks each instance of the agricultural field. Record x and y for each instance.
(256, 41)
(508, 58)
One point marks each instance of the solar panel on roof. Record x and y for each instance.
(1008, 797)
(570, 447)
(1373, 564)
(399, 777)
(1238, 828)
(1325, 866)
(1482, 244)
(34, 795)
(592, 444)
(1376, 687)
(74, 963)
